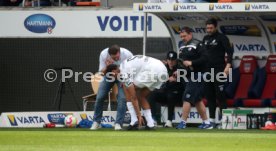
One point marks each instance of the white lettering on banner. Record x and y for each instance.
(117, 23)
(250, 47)
(40, 23)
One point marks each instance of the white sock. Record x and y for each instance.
(206, 121)
(132, 113)
(148, 116)
(212, 120)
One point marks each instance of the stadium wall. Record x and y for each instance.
(23, 62)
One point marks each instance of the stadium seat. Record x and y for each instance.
(95, 83)
(248, 67)
(265, 86)
(231, 87)
(269, 92)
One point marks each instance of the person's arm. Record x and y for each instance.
(203, 56)
(103, 63)
(229, 51)
(131, 93)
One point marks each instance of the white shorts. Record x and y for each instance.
(151, 78)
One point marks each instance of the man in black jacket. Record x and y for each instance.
(194, 57)
(217, 46)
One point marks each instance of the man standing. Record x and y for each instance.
(194, 59)
(113, 55)
(217, 46)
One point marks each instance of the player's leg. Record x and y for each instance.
(143, 94)
(220, 94)
(210, 95)
(156, 98)
(133, 116)
(104, 88)
(121, 107)
(173, 98)
(202, 112)
(187, 98)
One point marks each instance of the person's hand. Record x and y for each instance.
(227, 70)
(187, 63)
(172, 78)
(140, 121)
(109, 62)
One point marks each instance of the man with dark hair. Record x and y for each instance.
(194, 59)
(217, 45)
(113, 55)
(171, 92)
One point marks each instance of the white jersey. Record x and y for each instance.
(104, 56)
(143, 71)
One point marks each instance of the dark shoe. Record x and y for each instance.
(149, 128)
(132, 127)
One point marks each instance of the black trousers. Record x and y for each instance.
(165, 97)
(215, 94)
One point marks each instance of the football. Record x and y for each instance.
(70, 121)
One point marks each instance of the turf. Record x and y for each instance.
(159, 140)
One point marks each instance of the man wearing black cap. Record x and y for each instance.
(171, 92)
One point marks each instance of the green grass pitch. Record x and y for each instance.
(190, 139)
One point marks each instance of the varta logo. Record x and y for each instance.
(12, 120)
(25, 120)
(141, 7)
(175, 7)
(83, 116)
(259, 6)
(247, 6)
(186, 7)
(250, 47)
(152, 7)
(223, 7)
(272, 29)
(211, 6)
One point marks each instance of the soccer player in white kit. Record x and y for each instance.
(141, 75)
